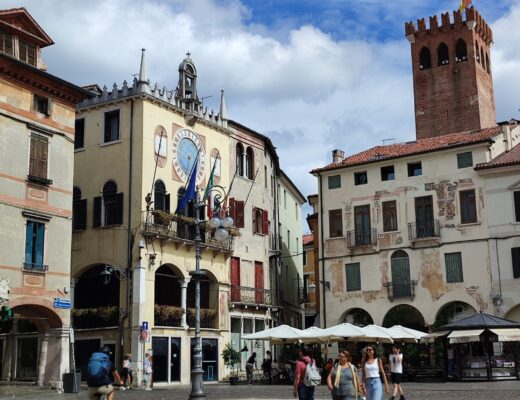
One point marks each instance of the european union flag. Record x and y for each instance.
(189, 194)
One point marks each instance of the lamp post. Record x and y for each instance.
(221, 227)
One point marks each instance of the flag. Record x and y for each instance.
(189, 194)
(208, 195)
(464, 4)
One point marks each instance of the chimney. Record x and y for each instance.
(337, 155)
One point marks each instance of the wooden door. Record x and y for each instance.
(259, 282)
(362, 224)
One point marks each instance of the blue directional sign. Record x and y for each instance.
(144, 326)
(61, 303)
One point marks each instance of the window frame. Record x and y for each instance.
(411, 165)
(357, 180)
(460, 160)
(515, 262)
(42, 105)
(384, 205)
(79, 133)
(107, 115)
(38, 171)
(334, 182)
(357, 270)
(466, 202)
(338, 232)
(516, 204)
(32, 263)
(450, 275)
(386, 175)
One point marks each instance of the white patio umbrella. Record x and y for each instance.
(373, 333)
(313, 334)
(341, 332)
(406, 335)
(278, 334)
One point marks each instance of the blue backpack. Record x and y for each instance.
(97, 371)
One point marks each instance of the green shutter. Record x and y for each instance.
(353, 275)
(401, 283)
(515, 254)
(334, 181)
(464, 160)
(453, 267)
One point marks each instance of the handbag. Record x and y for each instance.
(148, 370)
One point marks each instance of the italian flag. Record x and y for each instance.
(464, 4)
(208, 195)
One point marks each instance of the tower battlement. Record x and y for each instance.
(473, 21)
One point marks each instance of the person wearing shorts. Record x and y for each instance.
(396, 372)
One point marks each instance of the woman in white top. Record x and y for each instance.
(396, 369)
(372, 373)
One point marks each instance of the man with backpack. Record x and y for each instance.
(306, 376)
(98, 375)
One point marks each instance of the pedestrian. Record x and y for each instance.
(342, 380)
(250, 364)
(98, 375)
(451, 361)
(373, 372)
(302, 389)
(126, 372)
(147, 372)
(396, 371)
(267, 366)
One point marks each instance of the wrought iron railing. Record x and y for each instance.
(161, 225)
(250, 295)
(423, 230)
(275, 242)
(31, 267)
(362, 238)
(401, 290)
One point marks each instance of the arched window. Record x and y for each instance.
(443, 55)
(250, 161)
(487, 64)
(79, 210)
(108, 208)
(401, 284)
(161, 198)
(461, 51)
(482, 58)
(425, 59)
(477, 54)
(240, 160)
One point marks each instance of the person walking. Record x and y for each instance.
(300, 389)
(342, 380)
(126, 372)
(373, 372)
(267, 367)
(396, 371)
(98, 375)
(250, 364)
(147, 372)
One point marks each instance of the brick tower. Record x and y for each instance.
(453, 86)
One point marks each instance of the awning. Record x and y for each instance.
(507, 334)
(432, 337)
(465, 336)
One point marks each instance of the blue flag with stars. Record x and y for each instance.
(189, 194)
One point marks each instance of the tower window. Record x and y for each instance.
(461, 51)
(483, 62)
(240, 160)
(27, 52)
(6, 43)
(487, 64)
(443, 55)
(425, 59)
(477, 54)
(250, 159)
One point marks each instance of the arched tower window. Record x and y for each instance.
(477, 54)
(443, 55)
(461, 51)
(487, 64)
(250, 161)
(425, 59)
(240, 160)
(108, 208)
(161, 199)
(482, 58)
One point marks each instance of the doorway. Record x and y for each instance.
(27, 358)
(209, 358)
(83, 349)
(166, 359)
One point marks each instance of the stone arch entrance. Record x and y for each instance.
(405, 315)
(514, 313)
(453, 311)
(356, 316)
(170, 296)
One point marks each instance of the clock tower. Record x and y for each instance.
(186, 91)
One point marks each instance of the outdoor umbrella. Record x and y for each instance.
(339, 332)
(278, 334)
(406, 335)
(373, 333)
(313, 335)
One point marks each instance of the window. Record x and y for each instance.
(389, 216)
(111, 126)
(79, 211)
(360, 178)
(27, 52)
(468, 206)
(108, 208)
(443, 55)
(288, 239)
(515, 254)
(38, 160)
(516, 196)
(240, 160)
(236, 210)
(260, 221)
(42, 105)
(415, 169)
(424, 221)
(79, 135)
(335, 223)
(250, 163)
(477, 55)
(387, 173)
(304, 254)
(265, 177)
(34, 242)
(334, 182)
(425, 59)
(285, 199)
(161, 198)
(6, 43)
(465, 160)
(362, 228)
(353, 276)
(461, 51)
(453, 267)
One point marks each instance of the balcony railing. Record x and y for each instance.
(38, 268)
(166, 226)
(249, 295)
(423, 231)
(275, 242)
(401, 290)
(362, 238)
(95, 317)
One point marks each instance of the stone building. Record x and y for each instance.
(410, 230)
(309, 280)
(36, 170)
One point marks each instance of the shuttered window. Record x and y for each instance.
(389, 216)
(79, 134)
(468, 207)
(335, 223)
(465, 160)
(334, 181)
(517, 206)
(108, 209)
(6, 43)
(27, 52)
(111, 126)
(515, 254)
(34, 242)
(453, 267)
(236, 210)
(38, 156)
(353, 276)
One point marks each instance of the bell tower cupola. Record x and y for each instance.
(187, 87)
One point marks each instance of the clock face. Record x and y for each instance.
(186, 146)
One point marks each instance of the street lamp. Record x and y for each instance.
(118, 272)
(221, 226)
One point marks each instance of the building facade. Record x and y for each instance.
(309, 280)
(36, 170)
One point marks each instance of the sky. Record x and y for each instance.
(312, 75)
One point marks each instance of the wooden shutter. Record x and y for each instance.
(49, 106)
(235, 278)
(167, 202)
(38, 156)
(453, 267)
(353, 276)
(29, 237)
(97, 211)
(119, 208)
(401, 277)
(515, 253)
(265, 222)
(254, 215)
(79, 215)
(233, 211)
(259, 282)
(239, 205)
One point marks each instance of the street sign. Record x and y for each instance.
(61, 303)
(144, 334)
(144, 326)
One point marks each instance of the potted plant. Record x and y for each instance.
(231, 359)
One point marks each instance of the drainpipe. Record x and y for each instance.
(129, 237)
(322, 251)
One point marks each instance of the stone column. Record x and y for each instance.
(73, 282)
(138, 314)
(184, 296)
(42, 362)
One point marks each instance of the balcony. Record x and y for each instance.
(165, 315)
(362, 238)
(429, 230)
(36, 268)
(95, 317)
(401, 290)
(208, 318)
(181, 230)
(275, 243)
(248, 295)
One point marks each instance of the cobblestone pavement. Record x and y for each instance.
(413, 391)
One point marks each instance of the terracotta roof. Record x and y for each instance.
(308, 239)
(511, 157)
(398, 150)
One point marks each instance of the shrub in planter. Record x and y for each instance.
(231, 358)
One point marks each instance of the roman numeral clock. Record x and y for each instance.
(186, 145)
